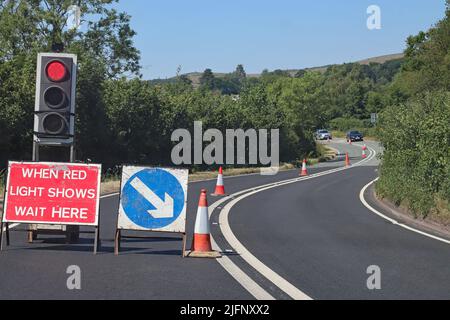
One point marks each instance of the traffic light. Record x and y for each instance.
(55, 98)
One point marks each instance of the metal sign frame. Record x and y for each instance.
(4, 225)
(118, 234)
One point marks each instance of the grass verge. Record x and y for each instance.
(325, 153)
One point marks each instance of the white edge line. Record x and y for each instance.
(229, 265)
(263, 269)
(368, 206)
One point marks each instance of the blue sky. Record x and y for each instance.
(275, 34)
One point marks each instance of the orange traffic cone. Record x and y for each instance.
(220, 188)
(304, 172)
(201, 243)
(364, 155)
(347, 160)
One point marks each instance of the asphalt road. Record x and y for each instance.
(145, 269)
(315, 233)
(321, 238)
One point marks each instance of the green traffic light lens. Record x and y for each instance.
(54, 124)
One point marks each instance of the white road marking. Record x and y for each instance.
(264, 270)
(395, 222)
(268, 273)
(240, 276)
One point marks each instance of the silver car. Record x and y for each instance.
(323, 135)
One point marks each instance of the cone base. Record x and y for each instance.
(219, 191)
(208, 254)
(304, 174)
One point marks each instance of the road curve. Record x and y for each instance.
(320, 237)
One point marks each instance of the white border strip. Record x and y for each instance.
(50, 164)
(364, 202)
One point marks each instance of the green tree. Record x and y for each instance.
(240, 72)
(105, 50)
(208, 80)
(427, 61)
(300, 73)
(415, 129)
(416, 160)
(31, 26)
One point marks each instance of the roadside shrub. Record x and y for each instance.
(416, 162)
(340, 126)
(346, 124)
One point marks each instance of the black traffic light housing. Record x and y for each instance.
(55, 98)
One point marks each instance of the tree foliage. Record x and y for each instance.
(415, 129)
(416, 160)
(105, 51)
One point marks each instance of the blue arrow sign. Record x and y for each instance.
(153, 198)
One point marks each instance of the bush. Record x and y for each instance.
(416, 161)
(340, 126)
(346, 124)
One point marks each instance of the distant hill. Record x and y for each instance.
(195, 76)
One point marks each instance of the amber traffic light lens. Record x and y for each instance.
(55, 98)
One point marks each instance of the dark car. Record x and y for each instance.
(354, 136)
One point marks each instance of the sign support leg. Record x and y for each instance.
(7, 233)
(183, 254)
(1, 236)
(97, 239)
(5, 226)
(72, 153)
(117, 242)
(1, 219)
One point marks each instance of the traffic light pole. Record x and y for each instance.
(72, 232)
(54, 124)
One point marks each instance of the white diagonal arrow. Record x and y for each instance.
(164, 209)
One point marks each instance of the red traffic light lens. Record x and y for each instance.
(56, 71)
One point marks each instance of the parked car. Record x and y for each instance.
(323, 135)
(354, 136)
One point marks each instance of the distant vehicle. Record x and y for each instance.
(323, 135)
(354, 136)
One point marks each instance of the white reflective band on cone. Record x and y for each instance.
(220, 180)
(202, 222)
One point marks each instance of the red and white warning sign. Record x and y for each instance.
(52, 193)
